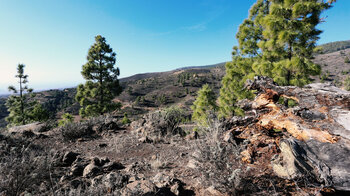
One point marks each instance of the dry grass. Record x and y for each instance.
(217, 161)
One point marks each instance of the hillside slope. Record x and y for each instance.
(149, 91)
(278, 148)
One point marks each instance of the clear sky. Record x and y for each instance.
(52, 37)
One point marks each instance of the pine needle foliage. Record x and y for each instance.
(102, 85)
(21, 105)
(276, 40)
(204, 105)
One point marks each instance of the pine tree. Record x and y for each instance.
(23, 109)
(232, 90)
(204, 105)
(244, 55)
(102, 85)
(276, 40)
(289, 39)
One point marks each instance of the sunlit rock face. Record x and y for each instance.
(315, 121)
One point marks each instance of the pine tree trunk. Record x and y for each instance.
(101, 87)
(290, 58)
(22, 101)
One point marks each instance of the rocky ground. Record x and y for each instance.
(292, 141)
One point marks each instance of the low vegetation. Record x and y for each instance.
(204, 106)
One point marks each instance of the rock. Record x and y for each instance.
(99, 161)
(145, 139)
(91, 170)
(105, 123)
(177, 187)
(110, 181)
(326, 162)
(140, 187)
(75, 183)
(115, 180)
(228, 137)
(35, 128)
(102, 145)
(161, 180)
(77, 170)
(192, 163)
(69, 157)
(113, 166)
(311, 115)
(246, 156)
(154, 124)
(132, 179)
(28, 134)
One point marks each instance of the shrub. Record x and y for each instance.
(126, 120)
(217, 161)
(24, 167)
(173, 116)
(346, 60)
(347, 83)
(287, 102)
(66, 118)
(73, 131)
(292, 103)
(87, 128)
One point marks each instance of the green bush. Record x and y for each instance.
(347, 83)
(66, 118)
(126, 120)
(292, 103)
(287, 102)
(173, 116)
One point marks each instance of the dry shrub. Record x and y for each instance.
(217, 161)
(87, 128)
(24, 168)
(73, 131)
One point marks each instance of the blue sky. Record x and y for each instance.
(52, 37)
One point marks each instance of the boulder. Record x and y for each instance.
(35, 128)
(91, 170)
(110, 181)
(140, 187)
(315, 129)
(326, 162)
(77, 170)
(69, 157)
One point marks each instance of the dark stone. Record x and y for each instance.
(75, 183)
(69, 158)
(77, 170)
(311, 115)
(113, 166)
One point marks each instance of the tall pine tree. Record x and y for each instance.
(102, 85)
(290, 36)
(276, 40)
(244, 55)
(22, 107)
